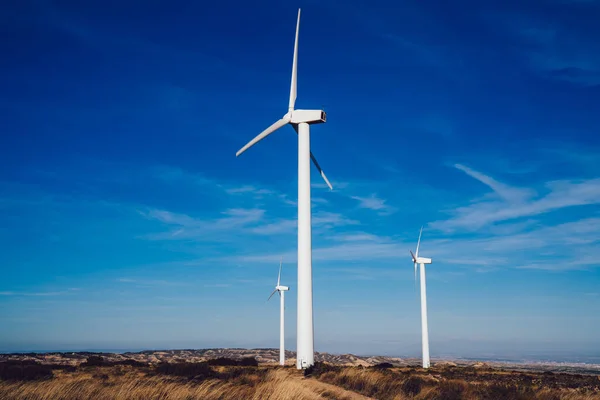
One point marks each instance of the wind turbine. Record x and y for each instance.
(424, 332)
(281, 290)
(301, 121)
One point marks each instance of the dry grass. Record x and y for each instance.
(460, 384)
(131, 385)
(111, 383)
(347, 383)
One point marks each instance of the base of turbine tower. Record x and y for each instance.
(303, 364)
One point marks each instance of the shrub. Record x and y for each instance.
(412, 386)
(24, 370)
(130, 362)
(248, 362)
(94, 361)
(450, 373)
(498, 391)
(223, 362)
(244, 375)
(197, 371)
(450, 390)
(66, 368)
(99, 361)
(383, 365)
(229, 362)
(319, 368)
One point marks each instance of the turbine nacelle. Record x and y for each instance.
(308, 116)
(423, 260)
(279, 288)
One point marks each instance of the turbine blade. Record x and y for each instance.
(294, 83)
(415, 275)
(413, 257)
(264, 134)
(271, 294)
(314, 160)
(419, 242)
(279, 276)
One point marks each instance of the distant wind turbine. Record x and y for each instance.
(301, 121)
(281, 290)
(424, 332)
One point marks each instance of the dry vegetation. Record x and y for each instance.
(228, 379)
(168, 381)
(449, 383)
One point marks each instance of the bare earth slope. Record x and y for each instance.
(271, 357)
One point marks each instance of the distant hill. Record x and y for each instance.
(271, 357)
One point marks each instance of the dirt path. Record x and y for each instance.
(328, 391)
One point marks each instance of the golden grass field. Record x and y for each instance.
(329, 382)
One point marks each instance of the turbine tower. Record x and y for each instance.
(424, 331)
(301, 121)
(281, 290)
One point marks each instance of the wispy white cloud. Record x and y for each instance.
(570, 245)
(234, 223)
(512, 237)
(566, 246)
(357, 237)
(358, 246)
(319, 200)
(331, 219)
(179, 176)
(375, 203)
(259, 193)
(241, 189)
(361, 273)
(40, 294)
(508, 193)
(279, 226)
(150, 282)
(513, 202)
(185, 226)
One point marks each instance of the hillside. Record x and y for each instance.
(271, 357)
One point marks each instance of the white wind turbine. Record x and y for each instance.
(301, 121)
(281, 290)
(424, 332)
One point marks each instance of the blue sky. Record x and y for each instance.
(127, 222)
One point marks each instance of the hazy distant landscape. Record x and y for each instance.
(254, 374)
(268, 356)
